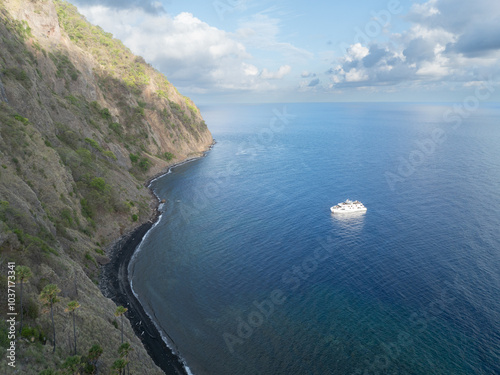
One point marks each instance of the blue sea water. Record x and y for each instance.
(249, 273)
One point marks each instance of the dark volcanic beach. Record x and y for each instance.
(115, 285)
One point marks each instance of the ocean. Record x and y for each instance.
(248, 272)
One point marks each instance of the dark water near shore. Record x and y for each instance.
(249, 273)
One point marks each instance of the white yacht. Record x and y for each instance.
(348, 206)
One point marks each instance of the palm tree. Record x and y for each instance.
(119, 365)
(94, 353)
(120, 310)
(23, 273)
(124, 351)
(72, 306)
(49, 297)
(72, 365)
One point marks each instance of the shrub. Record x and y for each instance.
(95, 105)
(190, 105)
(66, 216)
(28, 240)
(98, 184)
(87, 231)
(28, 332)
(93, 143)
(176, 107)
(84, 154)
(72, 365)
(68, 136)
(4, 210)
(116, 127)
(17, 74)
(32, 334)
(110, 155)
(89, 257)
(73, 100)
(139, 111)
(22, 28)
(22, 119)
(185, 119)
(134, 158)
(145, 164)
(135, 217)
(162, 94)
(64, 66)
(105, 114)
(87, 210)
(168, 156)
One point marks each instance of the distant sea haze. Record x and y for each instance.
(248, 272)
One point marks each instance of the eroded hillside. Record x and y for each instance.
(83, 124)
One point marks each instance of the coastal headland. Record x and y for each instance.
(84, 122)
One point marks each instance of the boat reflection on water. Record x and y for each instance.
(349, 223)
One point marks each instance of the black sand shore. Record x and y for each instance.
(115, 285)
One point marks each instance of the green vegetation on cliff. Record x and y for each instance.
(83, 124)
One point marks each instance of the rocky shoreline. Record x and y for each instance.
(115, 284)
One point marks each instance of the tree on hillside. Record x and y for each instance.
(72, 365)
(23, 273)
(48, 296)
(119, 366)
(72, 306)
(94, 353)
(124, 351)
(120, 310)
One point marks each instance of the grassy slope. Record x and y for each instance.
(86, 123)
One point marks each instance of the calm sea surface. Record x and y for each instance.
(249, 273)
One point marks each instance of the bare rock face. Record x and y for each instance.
(84, 124)
(41, 16)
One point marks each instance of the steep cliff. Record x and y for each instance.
(83, 124)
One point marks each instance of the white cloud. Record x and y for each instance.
(306, 74)
(193, 54)
(282, 71)
(355, 75)
(250, 70)
(356, 52)
(262, 31)
(426, 9)
(174, 44)
(149, 6)
(448, 41)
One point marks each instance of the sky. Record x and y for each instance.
(297, 51)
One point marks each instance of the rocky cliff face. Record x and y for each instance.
(83, 124)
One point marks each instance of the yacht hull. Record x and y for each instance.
(346, 211)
